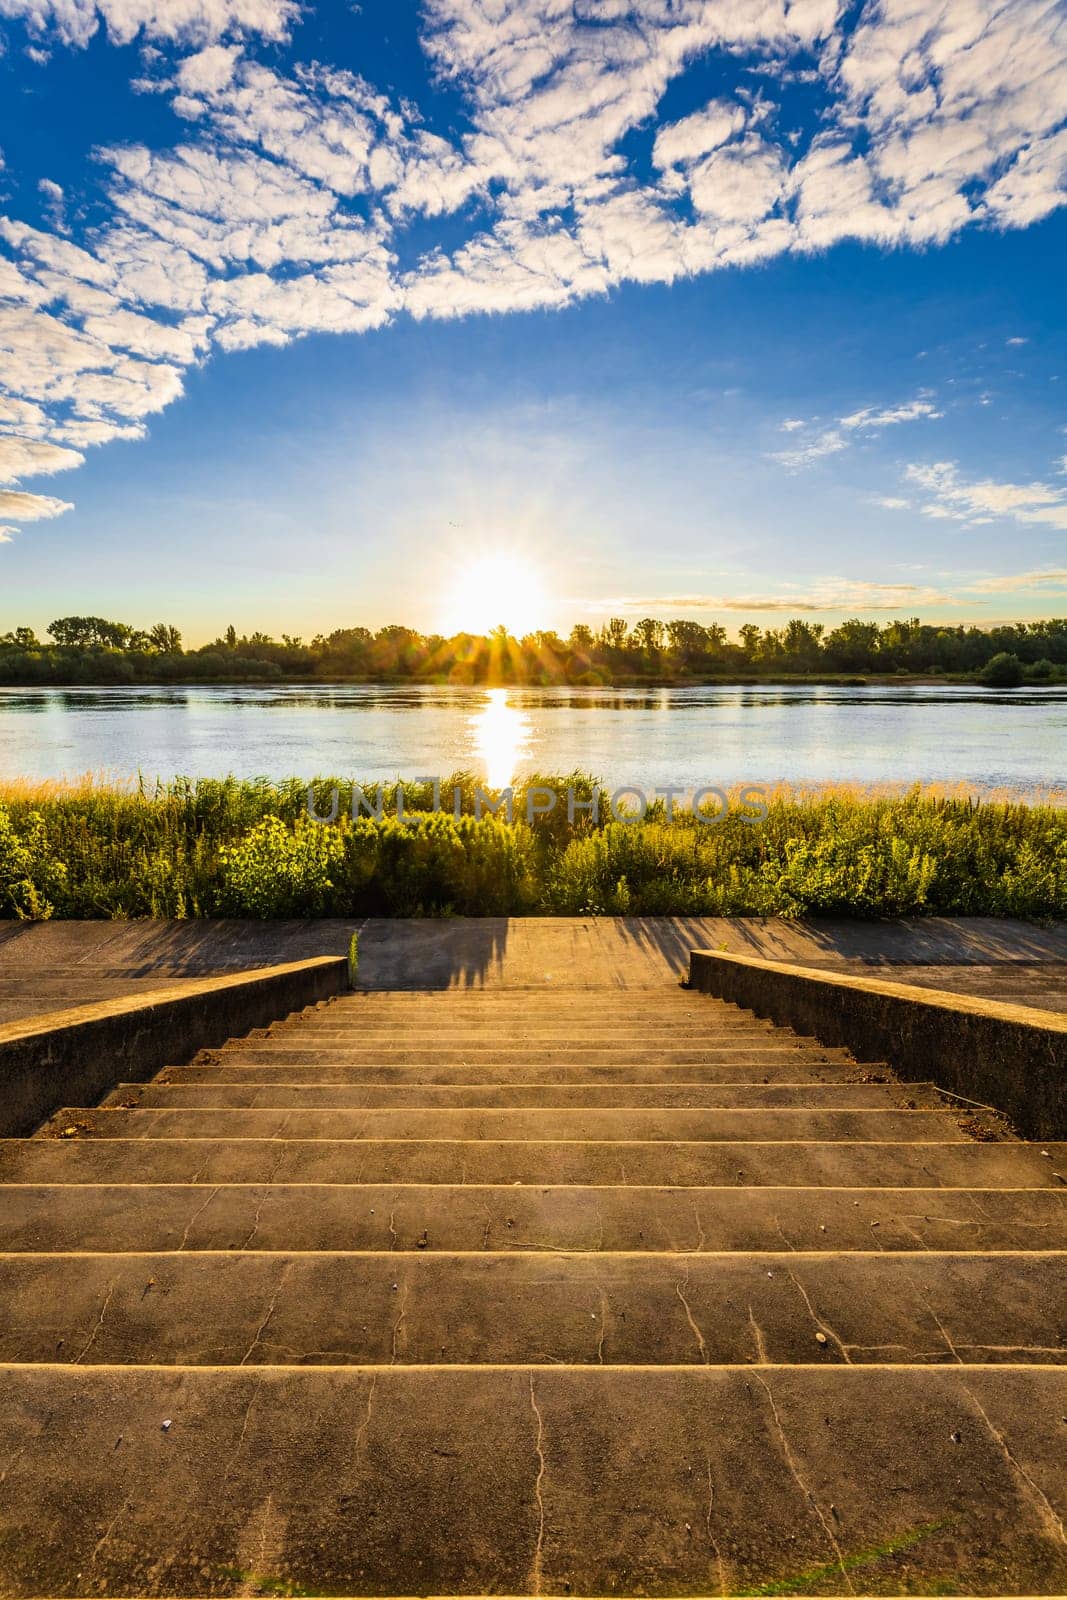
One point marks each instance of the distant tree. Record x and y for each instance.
(648, 636)
(687, 637)
(750, 640)
(164, 638)
(581, 637)
(88, 633)
(21, 639)
(853, 645)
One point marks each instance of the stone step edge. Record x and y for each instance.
(81, 1052)
(789, 1253)
(285, 1374)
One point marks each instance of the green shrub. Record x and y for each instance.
(276, 871)
(28, 874)
(1002, 671)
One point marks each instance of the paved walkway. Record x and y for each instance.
(44, 966)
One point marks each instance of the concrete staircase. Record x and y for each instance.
(588, 1293)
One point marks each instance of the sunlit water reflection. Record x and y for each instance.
(501, 739)
(655, 737)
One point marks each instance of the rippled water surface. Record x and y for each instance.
(682, 737)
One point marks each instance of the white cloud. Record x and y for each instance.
(1044, 580)
(1016, 341)
(681, 143)
(208, 71)
(54, 203)
(30, 507)
(33, 458)
(985, 499)
(820, 442)
(74, 22)
(891, 502)
(827, 443)
(6, 533)
(283, 210)
(871, 418)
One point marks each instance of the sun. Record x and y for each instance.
(493, 590)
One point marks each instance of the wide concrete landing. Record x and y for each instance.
(44, 966)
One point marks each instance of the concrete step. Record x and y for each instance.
(544, 1028)
(353, 1097)
(413, 1217)
(802, 1163)
(571, 1124)
(515, 1034)
(666, 999)
(662, 1309)
(415, 1480)
(731, 1067)
(450, 1055)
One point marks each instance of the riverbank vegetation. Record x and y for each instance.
(92, 650)
(249, 849)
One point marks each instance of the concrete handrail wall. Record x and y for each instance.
(1007, 1056)
(74, 1057)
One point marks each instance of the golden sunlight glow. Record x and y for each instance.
(501, 737)
(495, 590)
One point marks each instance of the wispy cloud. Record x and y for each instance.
(986, 499)
(819, 442)
(832, 595)
(871, 419)
(817, 445)
(1045, 580)
(829, 595)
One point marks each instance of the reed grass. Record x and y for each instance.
(96, 847)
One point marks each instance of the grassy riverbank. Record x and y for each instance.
(249, 849)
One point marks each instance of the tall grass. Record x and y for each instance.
(248, 848)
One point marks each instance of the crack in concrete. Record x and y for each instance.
(105, 1538)
(680, 1290)
(402, 1311)
(255, 1221)
(99, 1324)
(761, 1347)
(824, 1327)
(935, 1319)
(603, 1327)
(536, 1564)
(197, 1214)
(361, 1431)
(244, 1428)
(1045, 1508)
(781, 1233)
(794, 1468)
(709, 1510)
(270, 1312)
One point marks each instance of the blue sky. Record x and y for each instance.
(690, 307)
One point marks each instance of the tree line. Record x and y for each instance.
(94, 650)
